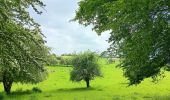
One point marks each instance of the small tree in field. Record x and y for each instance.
(85, 67)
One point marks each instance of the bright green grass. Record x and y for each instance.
(111, 87)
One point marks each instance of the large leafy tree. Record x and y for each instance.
(85, 67)
(139, 29)
(22, 49)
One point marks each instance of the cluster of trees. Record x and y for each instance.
(139, 33)
(67, 61)
(69, 54)
(54, 60)
(22, 48)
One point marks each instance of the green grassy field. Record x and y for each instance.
(112, 86)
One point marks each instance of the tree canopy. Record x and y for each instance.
(139, 29)
(22, 48)
(17, 10)
(85, 67)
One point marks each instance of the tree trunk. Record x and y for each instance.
(7, 83)
(87, 82)
(7, 86)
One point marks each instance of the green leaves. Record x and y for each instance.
(22, 53)
(139, 32)
(17, 11)
(85, 66)
(22, 49)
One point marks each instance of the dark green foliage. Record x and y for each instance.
(85, 67)
(139, 29)
(22, 48)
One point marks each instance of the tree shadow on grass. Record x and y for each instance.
(76, 89)
(25, 92)
(21, 92)
(157, 97)
(18, 95)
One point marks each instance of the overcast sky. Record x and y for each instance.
(64, 36)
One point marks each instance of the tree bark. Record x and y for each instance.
(7, 86)
(87, 82)
(7, 83)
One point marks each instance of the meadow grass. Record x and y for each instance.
(112, 86)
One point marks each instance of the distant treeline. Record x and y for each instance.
(69, 54)
(63, 60)
(66, 59)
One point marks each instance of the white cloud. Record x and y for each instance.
(64, 36)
